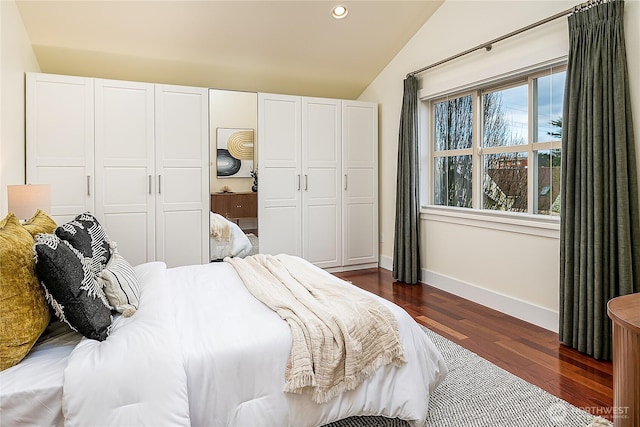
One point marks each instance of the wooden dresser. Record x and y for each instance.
(624, 311)
(235, 205)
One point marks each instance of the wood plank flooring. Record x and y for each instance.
(530, 352)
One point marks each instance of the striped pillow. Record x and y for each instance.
(120, 284)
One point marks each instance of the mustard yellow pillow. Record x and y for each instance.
(24, 311)
(40, 223)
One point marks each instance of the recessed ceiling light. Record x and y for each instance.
(339, 12)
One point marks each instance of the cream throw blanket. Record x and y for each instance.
(340, 335)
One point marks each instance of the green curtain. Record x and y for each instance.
(406, 248)
(599, 228)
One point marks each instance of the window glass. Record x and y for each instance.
(505, 117)
(453, 124)
(505, 181)
(549, 96)
(548, 182)
(453, 181)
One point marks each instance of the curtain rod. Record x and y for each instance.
(488, 45)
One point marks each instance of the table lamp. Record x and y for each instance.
(24, 200)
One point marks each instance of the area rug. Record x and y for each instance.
(255, 249)
(478, 393)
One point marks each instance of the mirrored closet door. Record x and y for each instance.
(233, 185)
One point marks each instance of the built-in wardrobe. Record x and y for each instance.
(137, 155)
(318, 169)
(134, 154)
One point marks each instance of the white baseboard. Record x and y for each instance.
(386, 262)
(539, 316)
(351, 267)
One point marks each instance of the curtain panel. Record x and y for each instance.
(406, 248)
(600, 227)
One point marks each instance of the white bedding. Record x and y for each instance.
(31, 391)
(238, 244)
(239, 352)
(202, 351)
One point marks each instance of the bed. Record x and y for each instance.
(226, 239)
(204, 345)
(201, 350)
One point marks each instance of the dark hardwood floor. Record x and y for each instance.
(530, 352)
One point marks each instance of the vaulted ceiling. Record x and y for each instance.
(269, 46)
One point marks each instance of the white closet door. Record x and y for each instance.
(182, 175)
(360, 194)
(321, 181)
(124, 162)
(59, 116)
(279, 172)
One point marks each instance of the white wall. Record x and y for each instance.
(231, 109)
(16, 57)
(510, 270)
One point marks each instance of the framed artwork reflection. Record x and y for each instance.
(234, 158)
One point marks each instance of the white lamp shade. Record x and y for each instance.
(24, 200)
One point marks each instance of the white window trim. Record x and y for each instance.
(515, 222)
(556, 62)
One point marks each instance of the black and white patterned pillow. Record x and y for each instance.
(120, 284)
(87, 235)
(71, 287)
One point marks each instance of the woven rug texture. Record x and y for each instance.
(477, 393)
(255, 248)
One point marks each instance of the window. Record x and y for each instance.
(453, 150)
(499, 147)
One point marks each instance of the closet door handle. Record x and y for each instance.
(159, 184)
(306, 182)
(345, 181)
(150, 184)
(298, 182)
(89, 185)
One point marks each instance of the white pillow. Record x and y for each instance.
(120, 284)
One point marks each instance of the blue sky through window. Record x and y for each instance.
(550, 99)
(515, 104)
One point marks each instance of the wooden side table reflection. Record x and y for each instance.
(624, 311)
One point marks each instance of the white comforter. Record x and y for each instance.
(232, 242)
(202, 351)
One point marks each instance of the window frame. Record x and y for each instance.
(527, 223)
